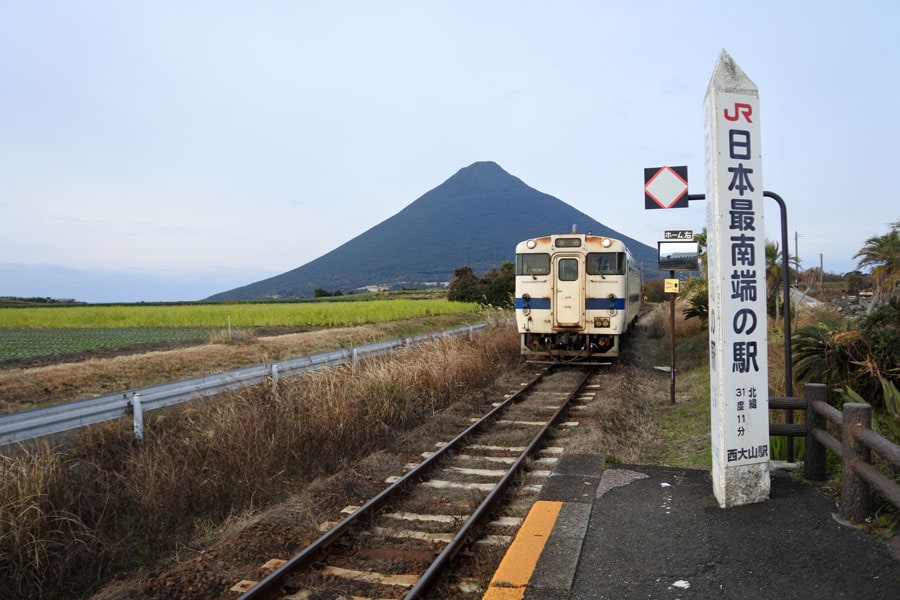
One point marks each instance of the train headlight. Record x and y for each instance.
(601, 321)
(606, 243)
(531, 244)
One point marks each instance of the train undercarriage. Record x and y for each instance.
(570, 346)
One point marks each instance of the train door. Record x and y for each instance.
(569, 302)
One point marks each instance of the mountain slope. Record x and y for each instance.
(473, 219)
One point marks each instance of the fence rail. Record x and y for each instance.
(41, 422)
(855, 448)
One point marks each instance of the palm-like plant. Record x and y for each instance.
(882, 253)
(823, 352)
(774, 274)
(696, 290)
(696, 293)
(863, 356)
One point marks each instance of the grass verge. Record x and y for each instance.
(69, 516)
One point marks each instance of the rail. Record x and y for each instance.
(40, 422)
(854, 449)
(271, 586)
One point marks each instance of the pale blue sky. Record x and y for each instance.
(172, 150)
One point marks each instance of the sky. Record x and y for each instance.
(168, 150)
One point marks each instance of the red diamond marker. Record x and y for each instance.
(666, 187)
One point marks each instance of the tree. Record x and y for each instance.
(857, 280)
(496, 288)
(464, 286)
(774, 275)
(702, 240)
(882, 253)
(499, 285)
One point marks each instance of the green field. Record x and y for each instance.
(39, 331)
(30, 343)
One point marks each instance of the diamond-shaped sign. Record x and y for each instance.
(665, 187)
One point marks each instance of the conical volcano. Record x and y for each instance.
(474, 219)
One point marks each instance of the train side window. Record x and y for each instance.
(568, 269)
(532, 264)
(606, 263)
(620, 263)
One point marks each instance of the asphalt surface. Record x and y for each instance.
(657, 532)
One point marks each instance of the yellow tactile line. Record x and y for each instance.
(517, 566)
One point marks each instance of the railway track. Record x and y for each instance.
(401, 542)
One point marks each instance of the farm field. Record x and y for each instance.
(41, 331)
(21, 343)
(218, 316)
(51, 379)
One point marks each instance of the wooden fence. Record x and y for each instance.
(854, 449)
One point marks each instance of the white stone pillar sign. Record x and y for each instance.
(738, 334)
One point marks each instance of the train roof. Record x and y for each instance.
(587, 241)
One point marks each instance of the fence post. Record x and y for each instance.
(855, 496)
(814, 452)
(138, 412)
(273, 377)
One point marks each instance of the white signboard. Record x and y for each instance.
(737, 288)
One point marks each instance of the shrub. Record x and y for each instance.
(838, 355)
(696, 294)
(496, 288)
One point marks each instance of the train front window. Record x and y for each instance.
(568, 269)
(606, 263)
(532, 264)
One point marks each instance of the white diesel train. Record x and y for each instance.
(576, 295)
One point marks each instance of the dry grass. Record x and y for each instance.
(207, 470)
(42, 538)
(620, 424)
(623, 423)
(105, 504)
(633, 420)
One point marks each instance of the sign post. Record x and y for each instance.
(739, 393)
(681, 255)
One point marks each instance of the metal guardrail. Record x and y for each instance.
(40, 422)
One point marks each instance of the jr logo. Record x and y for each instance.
(740, 110)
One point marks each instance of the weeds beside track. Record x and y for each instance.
(126, 505)
(200, 486)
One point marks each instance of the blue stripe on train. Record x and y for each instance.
(604, 304)
(589, 304)
(534, 303)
